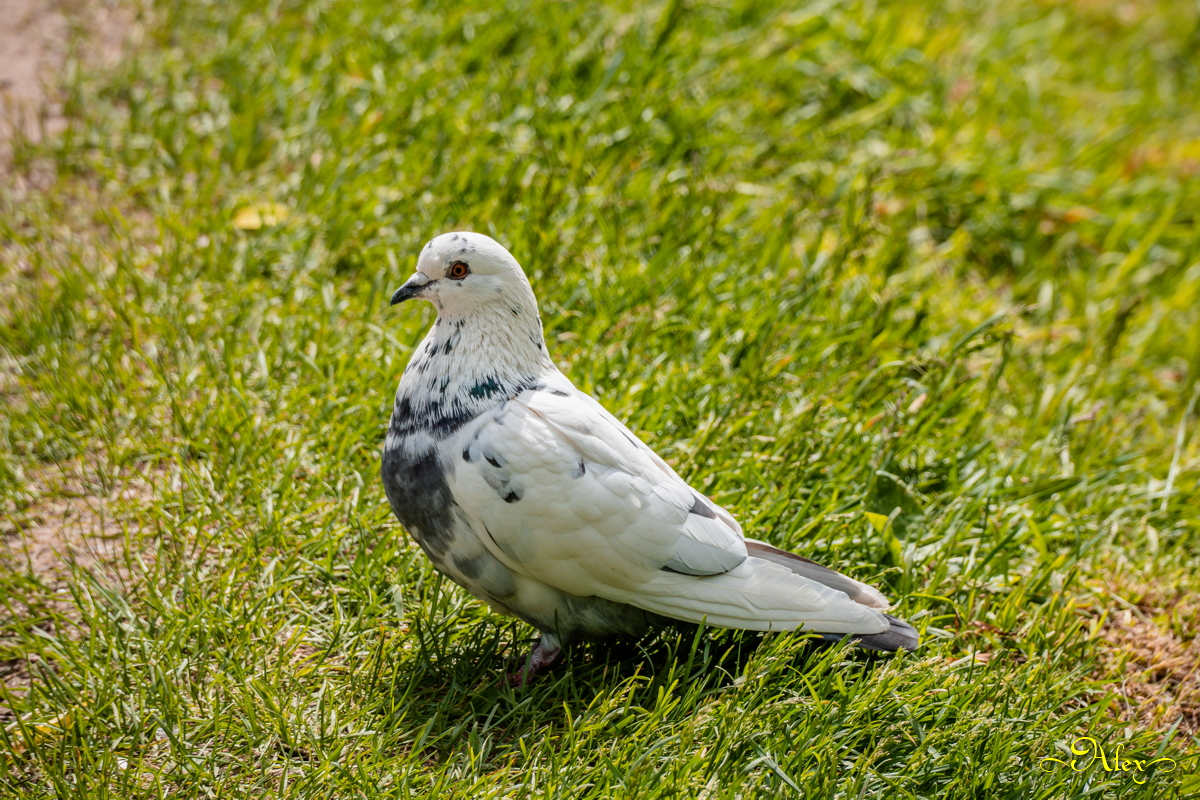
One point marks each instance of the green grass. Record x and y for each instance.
(935, 263)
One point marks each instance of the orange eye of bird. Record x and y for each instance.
(459, 270)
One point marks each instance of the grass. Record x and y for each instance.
(911, 288)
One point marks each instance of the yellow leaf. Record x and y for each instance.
(42, 731)
(259, 215)
(56, 725)
(878, 521)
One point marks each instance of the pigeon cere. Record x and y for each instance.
(528, 493)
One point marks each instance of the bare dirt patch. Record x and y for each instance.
(70, 527)
(74, 522)
(67, 523)
(35, 42)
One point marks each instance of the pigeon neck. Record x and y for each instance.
(501, 340)
(466, 366)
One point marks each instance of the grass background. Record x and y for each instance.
(911, 288)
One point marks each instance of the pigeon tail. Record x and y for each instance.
(899, 636)
(757, 595)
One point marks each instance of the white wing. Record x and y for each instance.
(562, 492)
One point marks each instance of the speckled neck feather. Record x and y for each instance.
(467, 364)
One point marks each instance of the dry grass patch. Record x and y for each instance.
(1149, 653)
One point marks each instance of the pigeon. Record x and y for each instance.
(526, 492)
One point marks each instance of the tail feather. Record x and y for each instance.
(899, 636)
(757, 595)
(777, 590)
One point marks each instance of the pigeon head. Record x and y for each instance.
(464, 274)
(488, 331)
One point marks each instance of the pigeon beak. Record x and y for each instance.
(411, 288)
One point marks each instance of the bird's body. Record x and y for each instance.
(529, 494)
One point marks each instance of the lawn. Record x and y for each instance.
(910, 288)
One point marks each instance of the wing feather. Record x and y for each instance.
(575, 500)
(569, 496)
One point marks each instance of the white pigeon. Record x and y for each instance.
(529, 494)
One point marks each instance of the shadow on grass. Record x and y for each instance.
(455, 689)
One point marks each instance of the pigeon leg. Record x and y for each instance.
(544, 653)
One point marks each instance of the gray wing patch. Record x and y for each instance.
(702, 509)
(696, 558)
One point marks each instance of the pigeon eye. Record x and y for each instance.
(459, 270)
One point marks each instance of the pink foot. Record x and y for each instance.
(544, 653)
